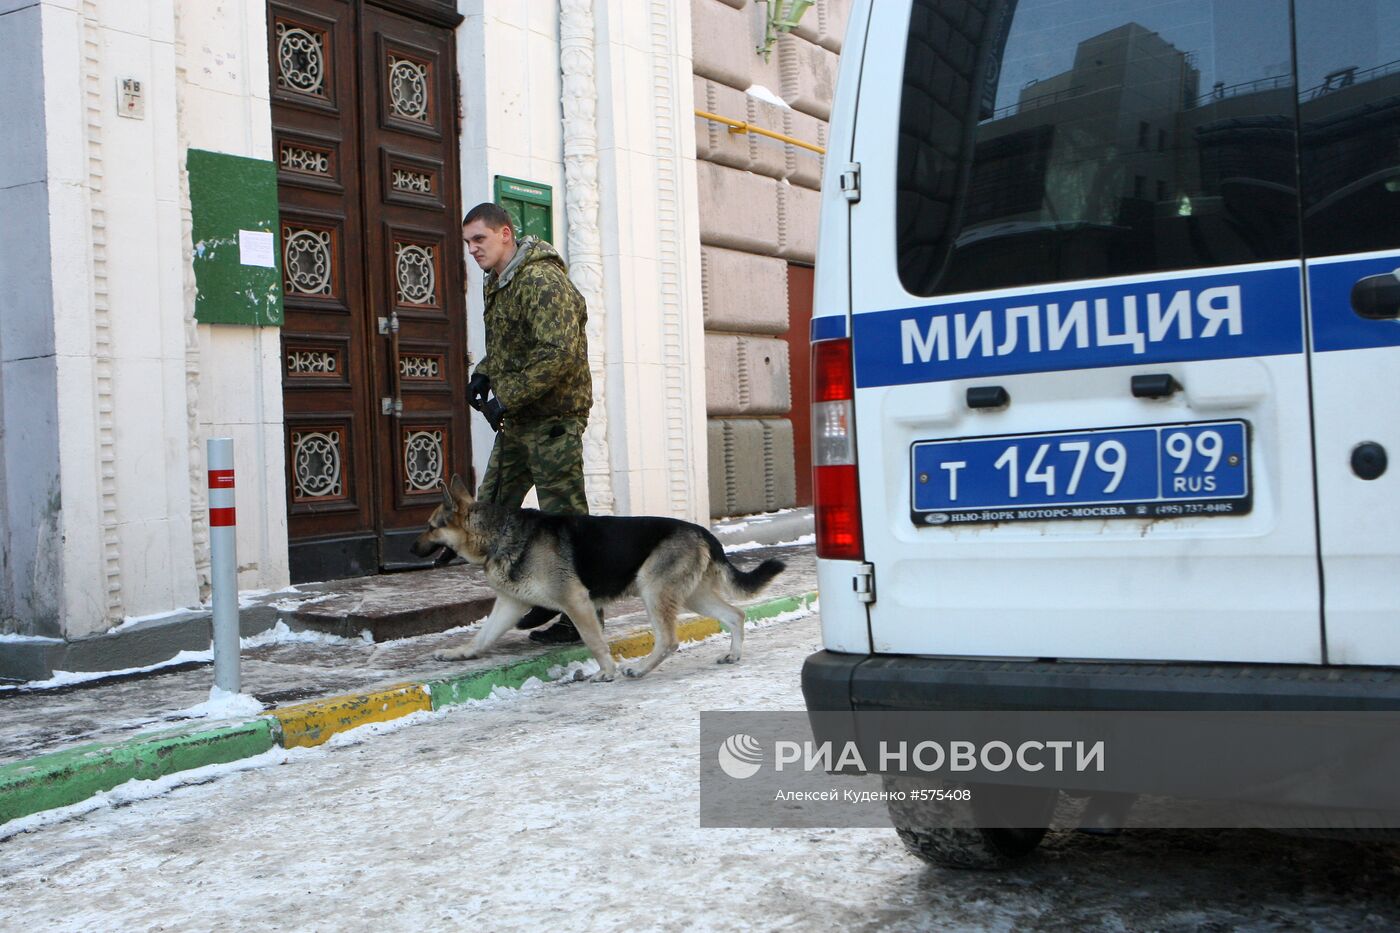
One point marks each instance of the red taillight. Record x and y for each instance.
(832, 377)
(835, 484)
(836, 491)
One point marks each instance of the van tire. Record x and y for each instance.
(984, 849)
(944, 833)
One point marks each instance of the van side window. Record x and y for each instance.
(1050, 140)
(1349, 102)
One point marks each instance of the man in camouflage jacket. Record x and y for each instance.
(533, 385)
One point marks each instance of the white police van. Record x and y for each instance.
(1106, 361)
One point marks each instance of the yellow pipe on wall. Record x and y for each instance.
(741, 126)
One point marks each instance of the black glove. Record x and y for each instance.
(477, 389)
(494, 413)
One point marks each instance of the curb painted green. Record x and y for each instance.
(776, 607)
(477, 685)
(67, 777)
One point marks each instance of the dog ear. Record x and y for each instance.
(447, 499)
(460, 493)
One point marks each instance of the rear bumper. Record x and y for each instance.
(857, 682)
(1317, 755)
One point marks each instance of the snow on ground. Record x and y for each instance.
(748, 524)
(749, 532)
(575, 805)
(14, 639)
(221, 704)
(69, 678)
(754, 545)
(279, 634)
(246, 599)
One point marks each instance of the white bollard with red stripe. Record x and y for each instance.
(223, 559)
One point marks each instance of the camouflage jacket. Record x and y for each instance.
(536, 349)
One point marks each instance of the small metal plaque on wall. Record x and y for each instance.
(131, 98)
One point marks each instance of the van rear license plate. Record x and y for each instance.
(1156, 471)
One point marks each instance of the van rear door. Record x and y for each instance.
(1082, 397)
(1349, 105)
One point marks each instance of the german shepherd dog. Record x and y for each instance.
(578, 563)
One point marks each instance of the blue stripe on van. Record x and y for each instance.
(828, 327)
(1335, 325)
(1204, 317)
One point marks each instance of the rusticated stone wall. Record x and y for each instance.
(758, 213)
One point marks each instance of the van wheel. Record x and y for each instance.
(945, 833)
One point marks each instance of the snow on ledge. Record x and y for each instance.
(762, 93)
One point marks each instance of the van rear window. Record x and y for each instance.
(1052, 140)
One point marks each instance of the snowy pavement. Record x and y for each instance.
(575, 806)
(281, 667)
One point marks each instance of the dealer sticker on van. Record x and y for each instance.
(1158, 471)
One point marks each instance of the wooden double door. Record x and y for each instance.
(365, 128)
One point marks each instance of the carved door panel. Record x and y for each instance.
(374, 343)
(328, 433)
(413, 267)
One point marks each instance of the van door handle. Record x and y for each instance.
(982, 397)
(1377, 297)
(1154, 385)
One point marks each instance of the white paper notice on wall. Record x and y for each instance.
(255, 248)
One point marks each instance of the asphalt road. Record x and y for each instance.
(575, 806)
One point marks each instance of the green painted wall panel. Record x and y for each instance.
(229, 194)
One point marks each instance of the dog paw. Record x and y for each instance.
(730, 658)
(452, 655)
(630, 671)
(602, 677)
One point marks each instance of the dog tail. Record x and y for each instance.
(749, 582)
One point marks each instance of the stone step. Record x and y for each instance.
(399, 605)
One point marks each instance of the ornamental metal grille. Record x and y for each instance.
(413, 182)
(307, 161)
(312, 363)
(301, 63)
(422, 461)
(408, 89)
(316, 460)
(416, 273)
(420, 367)
(306, 261)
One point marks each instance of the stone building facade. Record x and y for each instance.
(375, 122)
(758, 235)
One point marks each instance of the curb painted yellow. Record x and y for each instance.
(636, 646)
(310, 724)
